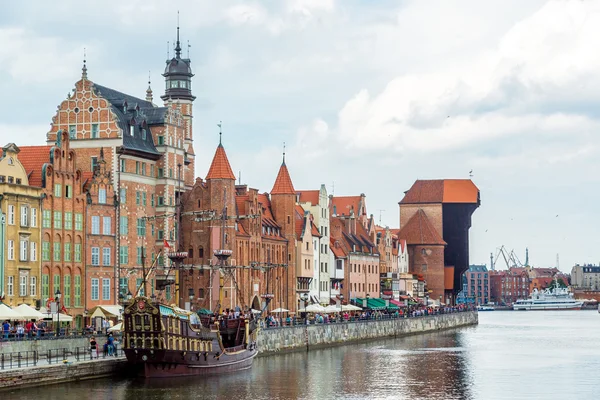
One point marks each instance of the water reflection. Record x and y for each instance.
(509, 355)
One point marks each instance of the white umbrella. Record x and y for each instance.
(117, 327)
(350, 307)
(313, 308)
(28, 312)
(332, 309)
(280, 310)
(8, 313)
(255, 311)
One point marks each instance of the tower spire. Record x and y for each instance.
(84, 69)
(220, 132)
(283, 163)
(178, 46)
(149, 90)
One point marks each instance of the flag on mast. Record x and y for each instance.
(166, 244)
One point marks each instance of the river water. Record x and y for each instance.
(509, 355)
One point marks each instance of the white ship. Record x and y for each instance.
(549, 299)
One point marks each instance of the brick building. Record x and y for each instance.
(100, 236)
(444, 207)
(20, 231)
(63, 255)
(508, 286)
(148, 151)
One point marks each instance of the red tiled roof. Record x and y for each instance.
(283, 182)
(402, 244)
(418, 230)
(300, 221)
(33, 158)
(309, 196)
(240, 202)
(266, 206)
(220, 168)
(442, 191)
(337, 251)
(241, 230)
(315, 230)
(342, 205)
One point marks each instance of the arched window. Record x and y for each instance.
(201, 252)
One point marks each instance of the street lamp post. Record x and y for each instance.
(304, 298)
(57, 295)
(341, 302)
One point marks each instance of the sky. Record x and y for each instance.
(368, 97)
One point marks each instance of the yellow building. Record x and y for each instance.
(20, 232)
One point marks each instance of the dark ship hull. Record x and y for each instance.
(163, 341)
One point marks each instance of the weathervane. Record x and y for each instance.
(220, 130)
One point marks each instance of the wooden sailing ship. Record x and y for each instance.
(164, 340)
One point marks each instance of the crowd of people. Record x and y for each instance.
(271, 320)
(22, 329)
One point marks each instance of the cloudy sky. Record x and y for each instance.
(368, 96)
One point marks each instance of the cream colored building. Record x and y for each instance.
(20, 232)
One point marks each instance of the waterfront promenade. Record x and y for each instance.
(71, 363)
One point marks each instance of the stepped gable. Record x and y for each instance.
(220, 168)
(33, 159)
(442, 191)
(283, 183)
(137, 113)
(419, 230)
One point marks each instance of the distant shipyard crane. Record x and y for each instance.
(510, 258)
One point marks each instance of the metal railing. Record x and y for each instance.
(21, 359)
(49, 334)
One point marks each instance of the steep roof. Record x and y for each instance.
(419, 230)
(33, 159)
(300, 221)
(129, 117)
(220, 168)
(442, 191)
(341, 205)
(309, 196)
(338, 250)
(283, 182)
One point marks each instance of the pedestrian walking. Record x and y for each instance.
(93, 348)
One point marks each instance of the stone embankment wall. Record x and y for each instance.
(44, 374)
(274, 340)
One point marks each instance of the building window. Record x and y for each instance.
(168, 292)
(68, 220)
(161, 172)
(67, 251)
(77, 291)
(11, 250)
(95, 255)
(95, 289)
(46, 219)
(152, 200)
(106, 225)
(56, 252)
(123, 195)
(144, 198)
(124, 255)
(152, 170)
(137, 198)
(10, 286)
(102, 196)
(23, 250)
(94, 131)
(138, 283)
(45, 286)
(57, 220)
(143, 134)
(45, 251)
(106, 256)
(140, 253)
(77, 252)
(105, 289)
(72, 132)
(161, 201)
(160, 234)
(161, 140)
(137, 167)
(24, 215)
(122, 165)
(11, 214)
(123, 285)
(32, 286)
(33, 251)
(68, 191)
(124, 225)
(34, 217)
(78, 222)
(170, 172)
(56, 282)
(57, 190)
(67, 291)
(95, 225)
(23, 285)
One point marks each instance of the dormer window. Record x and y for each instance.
(11, 161)
(143, 134)
(131, 130)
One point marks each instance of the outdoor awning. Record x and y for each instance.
(28, 312)
(109, 311)
(8, 313)
(98, 313)
(397, 303)
(375, 304)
